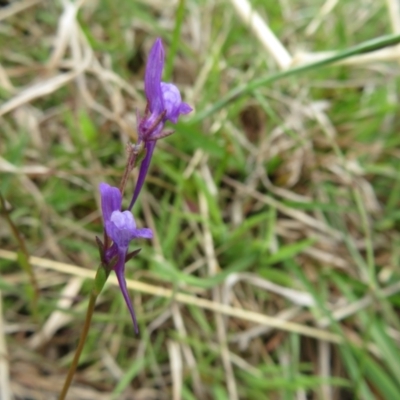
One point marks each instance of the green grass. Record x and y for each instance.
(286, 176)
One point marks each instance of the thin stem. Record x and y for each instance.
(135, 150)
(23, 257)
(368, 240)
(81, 344)
(249, 87)
(130, 164)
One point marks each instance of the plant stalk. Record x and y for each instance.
(81, 344)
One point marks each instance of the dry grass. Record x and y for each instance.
(274, 266)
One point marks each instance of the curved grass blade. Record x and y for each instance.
(248, 87)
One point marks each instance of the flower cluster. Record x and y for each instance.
(164, 104)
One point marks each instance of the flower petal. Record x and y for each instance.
(173, 102)
(185, 108)
(145, 233)
(152, 78)
(121, 228)
(120, 273)
(144, 167)
(111, 200)
(123, 220)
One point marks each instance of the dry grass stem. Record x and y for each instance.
(353, 308)
(213, 269)
(263, 33)
(246, 315)
(187, 351)
(39, 89)
(297, 297)
(327, 8)
(17, 7)
(5, 388)
(394, 14)
(57, 319)
(390, 53)
(296, 214)
(245, 337)
(175, 359)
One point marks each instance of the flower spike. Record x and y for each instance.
(120, 226)
(152, 78)
(164, 103)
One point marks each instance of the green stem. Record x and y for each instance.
(81, 344)
(23, 256)
(248, 87)
(368, 240)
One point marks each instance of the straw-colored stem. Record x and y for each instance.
(78, 352)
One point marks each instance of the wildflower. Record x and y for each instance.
(120, 226)
(164, 103)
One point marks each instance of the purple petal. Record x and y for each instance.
(185, 108)
(120, 273)
(111, 200)
(173, 102)
(123, 220)
(152, 78)
(144, 167)
(121, 228)
(144, 233)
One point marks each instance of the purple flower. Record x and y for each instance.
(173, 103)
(164, 103)
(120, 226)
